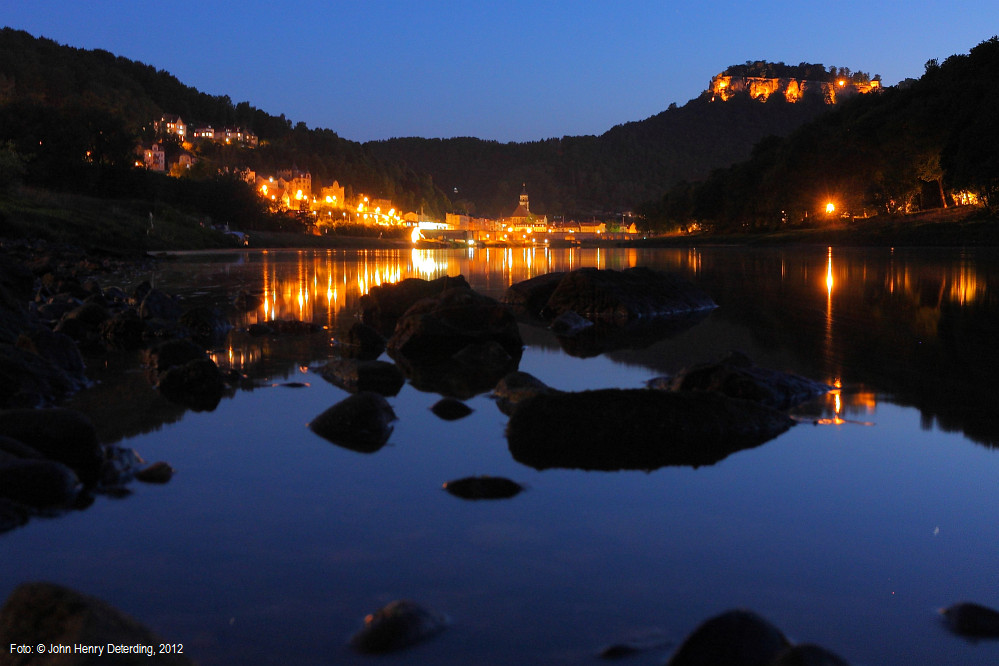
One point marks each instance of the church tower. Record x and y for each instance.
(523, 200)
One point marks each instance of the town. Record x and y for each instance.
(324, 208)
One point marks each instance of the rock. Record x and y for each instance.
(30, 380)
(48, 614)
(124, 331)
(119, 467)
(516, 387)
(364, 342)
(158, 305)
(355, 375)
(58, 349)
(972, 620)
(474, 369)
(607, 336)
(12, 515)
(450, 409)
(623, 295)
(158, 472)
(59, 434)
(283, 327)
(197, 384)
(611, 429)
(360, 422)
(483, 487)
(207, 325)
(737, 377)
(385, 303)
(570, 324)
(245, 301)
(41, 484)
(532, 294)
(169, 353)
(397, 625)
(808, 655)
(436, 328)
(734, 638)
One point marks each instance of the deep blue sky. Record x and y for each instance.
(513, 71)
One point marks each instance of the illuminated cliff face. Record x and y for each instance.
(725, 87)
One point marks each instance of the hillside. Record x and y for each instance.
(925, 145)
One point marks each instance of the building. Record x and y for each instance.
(522, 220)
(153, 157)
(172, 125)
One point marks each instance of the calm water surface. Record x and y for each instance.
(270, 544)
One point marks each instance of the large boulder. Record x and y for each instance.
(612, 429)
(396, 626)
(41, 484)
(621, 296)
(385, 303)
(436, 328)
(734, 638)
(532, 294)
(47, 614)
(736, 376)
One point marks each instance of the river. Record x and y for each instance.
(270, 545)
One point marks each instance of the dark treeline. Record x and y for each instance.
(914, 146)
(599, 175)
(806, 71)
(70, 119)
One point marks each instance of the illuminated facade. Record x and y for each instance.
(725, 87)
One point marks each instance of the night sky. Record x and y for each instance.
(510, 71)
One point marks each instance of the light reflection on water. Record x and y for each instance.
(270, 544)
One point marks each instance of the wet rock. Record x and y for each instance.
(356, 375)
(207, 325)
(450, 409)
(612, 429)
(159, 305)
(58, 349)
(385, 303)
(124, 331)
(197, 384)
(119, 466)
(516, 387)
(41, 484)
(734, 638)
(436, 328)
(169, 353)
(474, 369)
(59, 434)
(606, 336)
(12, 515)
(158, 472)
(570, 324)
(361, 422)
(483, 487)
(532, 294)
(972, 620)
(737, 377)
(623, 295)
(808, 655)
(245, 301)
(48, 614)
(364, 342)
(398, 625)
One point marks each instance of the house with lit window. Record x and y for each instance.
(172, 125)
(153, 157)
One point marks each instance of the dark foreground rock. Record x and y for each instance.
(474, 369)
(734, 638)
(483, 487)
(360, 422)
(63, 435)
(612, 429)
(46, 614)
(516, 387)
(398, 625)
(972, 620)
(450, 409)
(608, 294)
(808, 655)
(737, 377)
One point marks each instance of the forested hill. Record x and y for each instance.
(85, 99)
(926, 144)
(613, 172)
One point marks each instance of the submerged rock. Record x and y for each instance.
(158, 472)
(360, 422)
(808, 655)
(474, 369)
(516, 387)
(450, 409)
(483, 487)
(737, 377)
(734, 638)
(398, 625)
(197, 384)
(972, 620)
(613, 429)
(358, 375)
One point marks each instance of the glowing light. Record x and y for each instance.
(298, 195)
(830, 208)
(415, 235)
